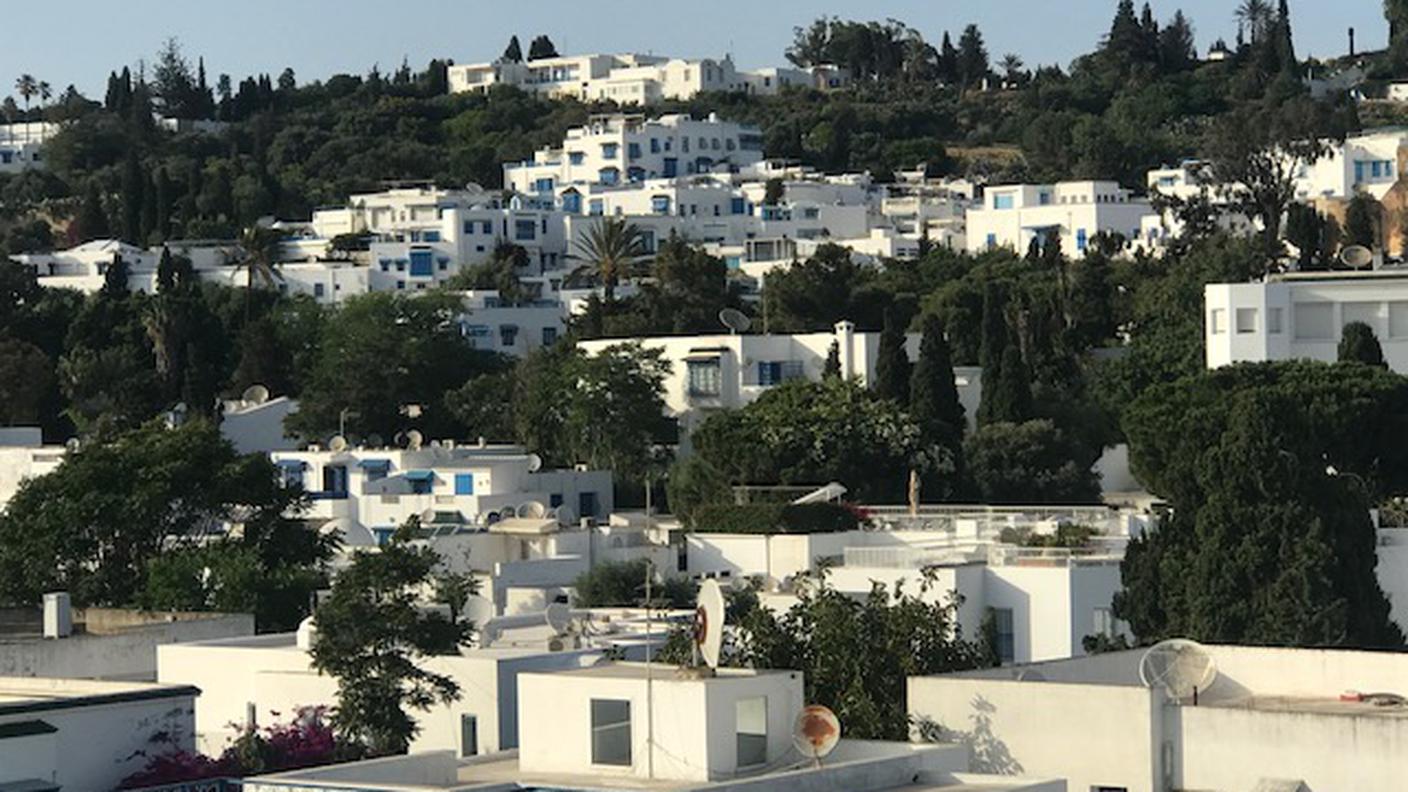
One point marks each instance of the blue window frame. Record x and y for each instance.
(422, 481)
(431, 236)
(318, 290)
(655, 145)
(992, 240)
(596, 207)
(549, 336)
(633, 150)
(576, 157)
(586, 504)
(660, 204)
(671, 167)
(525, 229)
(335, 481)
(609, 150)
(609, 176)
(486, 227)
(374, 469)
(469, 226)
(572, 202)
(1358, 171)
(738, 205)
(1081, 239)
(1003, 201)
(422, 263)
(776, 372)
(543, 185)
(464, 483)
(291, 472)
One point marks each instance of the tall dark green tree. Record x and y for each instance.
(1361, 221)
(541, 47)
(972, 57)
(133, 189)
(892, 366)
(92, 220)
(513, 53)
(1358, 343)
(1008, 397)
(934, 403)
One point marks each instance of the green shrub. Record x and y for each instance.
(774, 518)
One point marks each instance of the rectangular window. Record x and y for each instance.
(422, 263)
(1081, 239)
(655, 145)
(431, 236)
(1358, 172)
(576, 157)
(738, 206)
(1366, 312)
(508, 335)
(633, 150)
(335, 480)
(318, 290)
(543, 185)
(752, 730)
(1044, 198)
(1314, 321)
(1003, 201)
(609, 150)
(464, 483)
(992, 240)
(596, 208)
(705, 378)
(1217, 321)
(469, 735)
(671, 168)
(1398, 319)
(1246, 320)
(549, 336)
(586, 504)
(525, 230)
(660, 204)
(1006, 637)
(1273, 321)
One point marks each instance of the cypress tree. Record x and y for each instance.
(132, 184)
(1008, 397)
(513, 53)
(163, 204)
(1358, 343)
(115, 279)
(892, 368)
(832, 368)
(149, 210)
(994, 337)
(92, 220)
(933, 395)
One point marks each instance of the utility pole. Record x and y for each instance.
(649, 673)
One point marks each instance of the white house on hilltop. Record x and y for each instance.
(1012, 215)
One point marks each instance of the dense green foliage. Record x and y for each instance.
(621, 584)
(373, 637)
(774, 518)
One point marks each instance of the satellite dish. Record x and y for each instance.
(735, 320)
(337, 444)
(565, 515)
(374, 441)
(478, 611)
(1179, 667)
(535, 463)
(414, 440)
(816, 732)
(255, 394)
(533, 510)
(73, 444)
(559, 617)
(491, 517)
(1356, 256)
(435, 443)
(709, 622)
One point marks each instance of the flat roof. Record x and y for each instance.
(665, 672)
(20, 695)
(1312, 706)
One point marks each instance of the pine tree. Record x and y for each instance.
(994, 337)
(948, 61)
(1177, 49)
(541, 47)
(1008, 398)
(1149, 27)
(115, 279)
(892, 367)
(1125, 40)
(149, 211)
(933, 394)
(92, 221)
(1358, 343)
(832, 368)
(972, 57)
(513, 53)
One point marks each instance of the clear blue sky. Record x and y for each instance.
(79, 41)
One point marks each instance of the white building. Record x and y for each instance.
(1301, 315)
(67, 734)
(450, 486)
(22, 145)
(1367, 162)
(635, 79)
(1013, 215)
(85, 266)
(23, 455)
(257, 427)
(621, 149)
(265, 679)
(726, 371)
(1273, 719)
(654, 727)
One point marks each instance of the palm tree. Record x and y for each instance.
(259, 258)
(27, 87)
(610, 248)
(1255, 16)
(1011, 64)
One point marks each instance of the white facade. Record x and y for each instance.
(272, 676)
(84, 267)
(1367, 162)
(622, 149)
(1302, 315)
(23, 455)
(22, 145)
(1271, 715)
(728, 371)
(448, 486)
(1011, 216)
(257, 427)
(87, 735)
(634, 79)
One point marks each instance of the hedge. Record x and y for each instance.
(774, 518)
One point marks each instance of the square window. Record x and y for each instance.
(752, 731)
(1314, 321)
(1246, 320)
(464, 483)
(611, 732)
(705, 377)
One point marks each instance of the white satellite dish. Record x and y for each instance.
(255, 394)
(566, 515)
(535, 463)
(337, 444)
(709, 622)
(735, 320)
(558, 617)
(414, 440)
(73, 444)
(1356, 256)
(532, 510)
(1179, 667)
(478, 611)
(816, 732)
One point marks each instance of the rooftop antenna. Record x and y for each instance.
(1179, 667)
(255, 394)
(709, 624)
(816, 732)
(735, 320)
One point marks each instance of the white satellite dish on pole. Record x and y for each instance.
(414, 440)
(709, 622)
(1356, 257)
(255, 394)
(735, 320)
(1179, 667)
(535, 463)
(337, 444)
(532, 510)
(478, 611)
(816, 732)
(558, 617)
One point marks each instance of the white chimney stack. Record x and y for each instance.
(58, 615)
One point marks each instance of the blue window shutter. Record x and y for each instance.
(464, 483)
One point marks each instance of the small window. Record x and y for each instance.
(1005, 636)
(508, 335)
(1366, 312)
(1273, 321)
(752, 714)
(1314, 321)
(1246, 320)
(469, 735)
(611, 732)
(705, 378)
(1003, 201)
(549, 336)
(464, 483)
(1217, 321)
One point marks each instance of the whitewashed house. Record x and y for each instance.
(1012, 215)
(22, 145)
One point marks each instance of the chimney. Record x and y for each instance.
(845, 344)
(58, 615)
(1351, 42)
